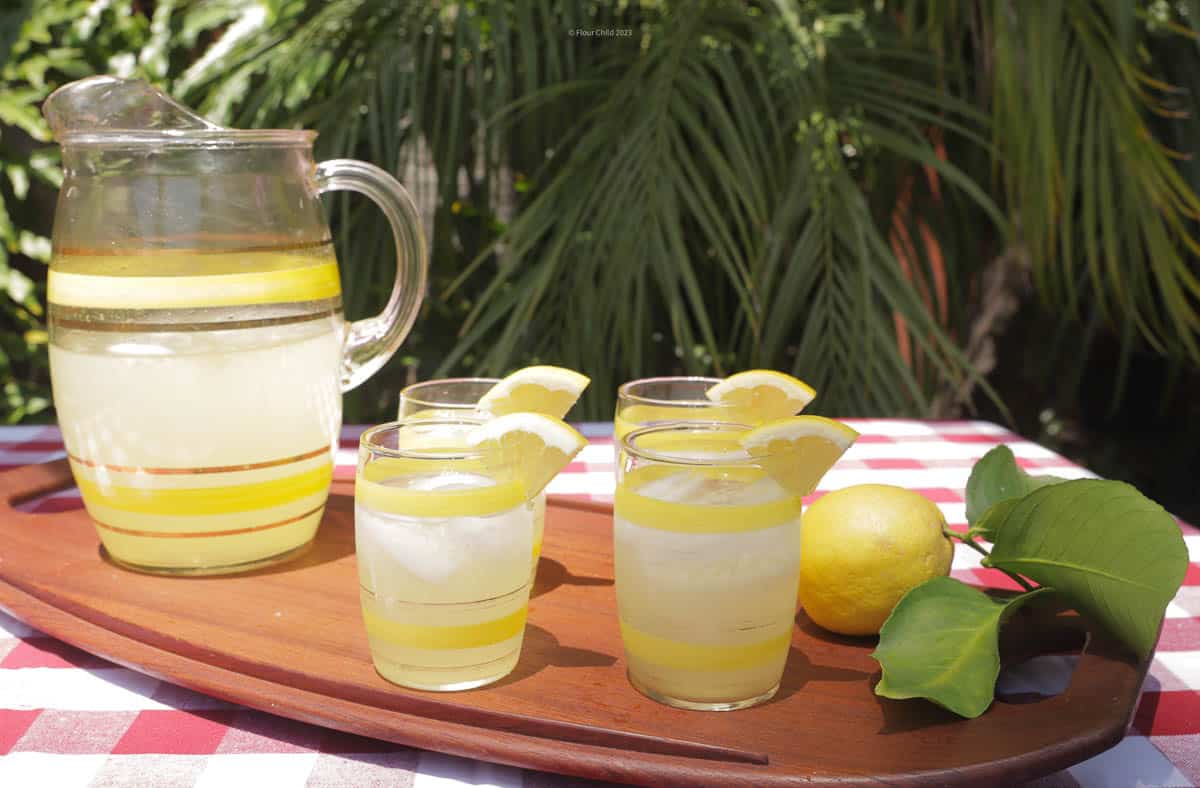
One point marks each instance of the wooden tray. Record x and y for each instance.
(289, 640)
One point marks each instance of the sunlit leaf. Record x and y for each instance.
(1113, 553)
(997, 479)
(941, 643)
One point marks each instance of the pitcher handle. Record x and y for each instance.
(372, 341)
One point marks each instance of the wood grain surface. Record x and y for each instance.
(289, 640)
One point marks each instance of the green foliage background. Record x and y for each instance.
(827, 187)
(44, 44)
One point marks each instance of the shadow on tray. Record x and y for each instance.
(551, 574)
(542, 649)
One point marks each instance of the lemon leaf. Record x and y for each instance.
(941, 643)
(1113, 553)
(997, 479)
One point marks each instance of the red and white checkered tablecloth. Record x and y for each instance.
(70, 719)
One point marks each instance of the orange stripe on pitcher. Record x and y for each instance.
(189, 243)
(130, 327)
(254, 466)
(202, 534)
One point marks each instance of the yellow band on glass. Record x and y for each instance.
(472, 502)
(207, 500)
(678, 655)
(700, 518)
(308, 283)
(488, 633)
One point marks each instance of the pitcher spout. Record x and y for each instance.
(106, 104)
(108, 112)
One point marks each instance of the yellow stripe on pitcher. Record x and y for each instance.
(488, 633)
(308, 283)
(680, 655)
(193, 501)
(207, 534)
(186, 547)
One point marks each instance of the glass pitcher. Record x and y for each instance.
(198, 350)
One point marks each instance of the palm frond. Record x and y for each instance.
(1095, 188)
(815, 187)
(706, 236)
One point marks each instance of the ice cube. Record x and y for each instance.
(420, 546)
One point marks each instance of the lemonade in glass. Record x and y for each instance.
(706, 546)
(444, 534)
(543, 389)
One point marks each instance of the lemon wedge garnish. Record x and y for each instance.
(550, 391)
(530, 447)
(763, 394)
(798, 450)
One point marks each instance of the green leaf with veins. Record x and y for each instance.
(995, 479)
(941, 643)
(1113, 553)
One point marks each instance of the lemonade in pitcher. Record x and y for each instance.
(197, 347)
(200, 407)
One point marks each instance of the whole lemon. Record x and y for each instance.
(862, 548)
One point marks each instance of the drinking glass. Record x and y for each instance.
(706, 548)
(444, 397)
(663, 400)
(453, 397)
(443, 538)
